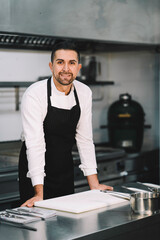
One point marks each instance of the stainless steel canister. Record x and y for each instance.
(157, 190)
(145, 202)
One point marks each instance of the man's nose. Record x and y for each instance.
(66, 67)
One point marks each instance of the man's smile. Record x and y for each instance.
(65, 75)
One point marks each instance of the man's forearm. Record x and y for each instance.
(93, 181)
(38, 189)
(38, 196)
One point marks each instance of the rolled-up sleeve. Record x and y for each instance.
(32, 122)
(84, 137)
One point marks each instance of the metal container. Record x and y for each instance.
(145, 202)
(157, 190)
(89, 68)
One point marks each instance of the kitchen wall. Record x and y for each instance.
(17, 65)
(112, 20)
(132, 72)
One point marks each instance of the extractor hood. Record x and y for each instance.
(11, 40)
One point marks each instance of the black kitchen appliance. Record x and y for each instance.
(126, 124)
(89, 68)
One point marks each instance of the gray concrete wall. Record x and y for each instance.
(112, 20)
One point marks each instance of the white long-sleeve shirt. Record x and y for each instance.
(33, 111)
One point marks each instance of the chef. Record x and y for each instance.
(56, 113)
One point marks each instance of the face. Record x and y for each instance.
(65, 66)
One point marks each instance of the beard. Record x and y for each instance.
(64, 78)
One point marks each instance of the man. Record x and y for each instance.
(56, 113)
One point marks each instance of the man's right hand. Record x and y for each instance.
(30, 202)
(37, 197)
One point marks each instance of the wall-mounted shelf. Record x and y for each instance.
(98, 82)
(16, 86)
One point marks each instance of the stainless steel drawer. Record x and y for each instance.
(9, 187)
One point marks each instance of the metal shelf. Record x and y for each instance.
(98, 82)
(16, 86)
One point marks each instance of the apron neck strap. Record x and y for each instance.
(49, 91)
(76, 97)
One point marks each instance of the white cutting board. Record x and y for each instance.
(81, 202)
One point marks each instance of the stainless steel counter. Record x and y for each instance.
(116, 223)
(9, 189)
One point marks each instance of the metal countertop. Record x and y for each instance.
(103, 223)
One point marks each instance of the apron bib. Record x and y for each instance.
(59, 132)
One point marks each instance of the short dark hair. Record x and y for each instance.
(64, 44)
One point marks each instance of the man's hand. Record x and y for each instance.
(94, 183)
(103, 187)
(30, 202)
(37, 197)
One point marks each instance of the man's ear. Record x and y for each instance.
(51, 66)
(79, 66)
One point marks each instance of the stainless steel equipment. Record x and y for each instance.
(111, 167)
(142, 203)
(110, 170)
(9, 190)
(145, 202)
(114, 168)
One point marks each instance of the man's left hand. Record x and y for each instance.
(104, 187)
(94, 183)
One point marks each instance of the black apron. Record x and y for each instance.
(59, 130)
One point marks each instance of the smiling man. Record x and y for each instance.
(56, 113)
(65, 67)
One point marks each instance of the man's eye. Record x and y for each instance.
(59, 62)
(73, 63)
